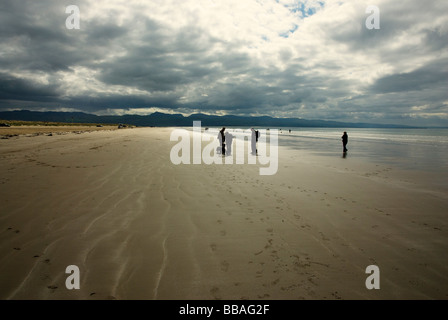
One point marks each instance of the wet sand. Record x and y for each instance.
(140, 227)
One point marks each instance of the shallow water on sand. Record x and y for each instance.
(415, 149)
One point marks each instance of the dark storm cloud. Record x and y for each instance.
(116, 101)
(396, 19)
(161, 63)
(142, 54)
(153, 68)
(34, 38)
(435, 40)
(103, 33)
(431, 76)
(12, 88)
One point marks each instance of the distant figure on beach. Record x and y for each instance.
(222, 141)
(229, 140)
(254, 140)
(345, 141)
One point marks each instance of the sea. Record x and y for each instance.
(414, 149)
(417, 150)
(422, 151)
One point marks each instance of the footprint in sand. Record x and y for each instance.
(336, 295)
(215, 293)
(273, 283)
(269, 244)
(225, 266)
(213, 247)
(323, 236)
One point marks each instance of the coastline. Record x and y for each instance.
(139, 227)
(36, 130)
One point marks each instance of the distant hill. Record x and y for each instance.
(159, 119)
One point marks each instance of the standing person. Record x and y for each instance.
(253, 141)
(345, 141)
(229, 140)
(222, 141)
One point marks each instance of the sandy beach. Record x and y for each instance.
(33, 130)
(139, 227)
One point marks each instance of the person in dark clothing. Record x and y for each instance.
(345, 141)
(222, 141)
(229, 140)
(254, 140)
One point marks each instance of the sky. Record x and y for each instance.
(282, 58)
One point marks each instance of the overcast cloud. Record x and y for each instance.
(284, 58)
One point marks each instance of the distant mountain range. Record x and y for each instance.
(158, 119)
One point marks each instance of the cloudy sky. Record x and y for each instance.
(283, 58)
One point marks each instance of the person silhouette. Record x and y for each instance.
(344, 141)
(222, 141)
(253, 141)
(229, 140)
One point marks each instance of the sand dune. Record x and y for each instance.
(140, 227)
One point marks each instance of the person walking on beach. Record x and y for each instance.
(345, 141)
(222, 141)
